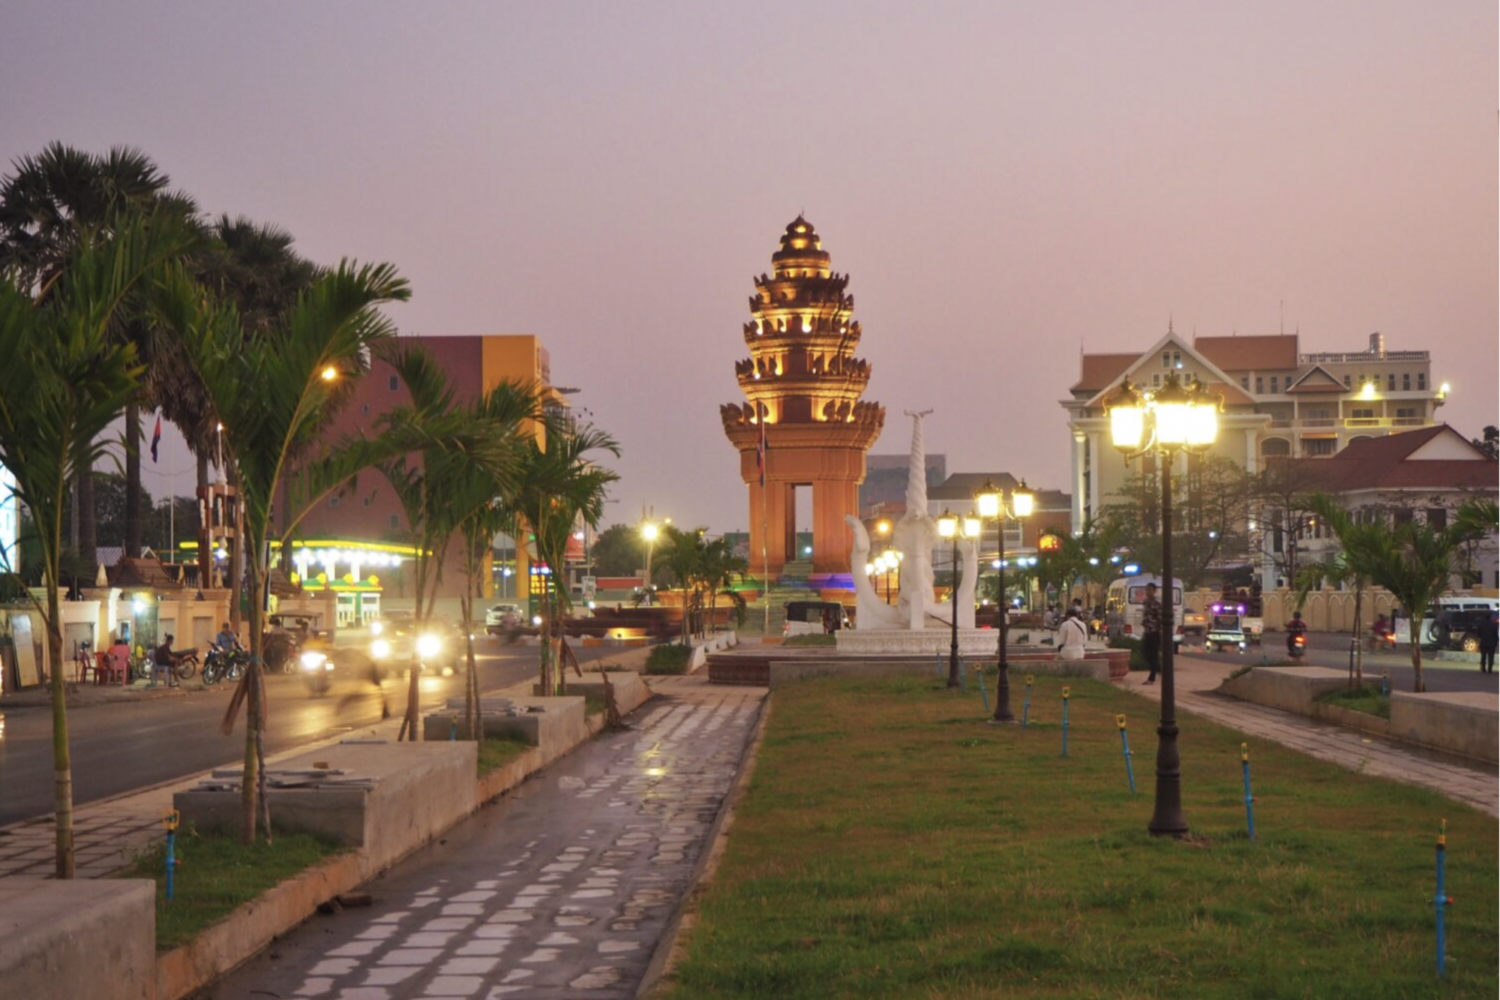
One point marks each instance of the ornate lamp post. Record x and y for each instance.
(953, 527)
(1164, 421)
(991, 503)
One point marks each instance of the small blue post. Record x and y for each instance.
(1441, 902)
(452, 730)
(1249, 798)
(1125, 749)
(170, 822)
(1066, 693)
(1385, 683)
(979, 676)
(1026, 705)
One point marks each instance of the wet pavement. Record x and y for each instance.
(562, 889)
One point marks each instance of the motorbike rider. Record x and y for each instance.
(226, 641)
(1294, 628)
(1382, 628)
(166, 660)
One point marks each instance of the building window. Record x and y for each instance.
(1421, 381)
(395, 383)
(368, 500)
(1245, 382)
(1401, 516)
(1318, 447)
(1156, 380)
(333, 501)
(1275, 388)
(1316, 414)
(364, 409)
(1406, 411)
(1361, 415)
(1260, 386)
(1437, 518)
(1406, 381)
(1390, 382)
(1346, 383)
(395, 522)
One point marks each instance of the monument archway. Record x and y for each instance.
(803, 423)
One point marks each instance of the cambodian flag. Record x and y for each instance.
(156, 437)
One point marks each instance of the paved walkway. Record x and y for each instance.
(1473, 784)
(562, 889)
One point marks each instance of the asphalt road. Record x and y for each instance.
(1332, 650)
(122, 746)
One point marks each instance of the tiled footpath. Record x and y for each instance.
(1473, 784)
(562, 889)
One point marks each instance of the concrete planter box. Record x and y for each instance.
(630, 691)
(92, 938)
(1291, 689)
(558, 727)
(418, 790)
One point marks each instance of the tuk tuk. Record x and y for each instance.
(1226, 628)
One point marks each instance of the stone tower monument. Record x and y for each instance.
(803, 423)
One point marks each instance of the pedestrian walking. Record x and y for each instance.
(1489, 638)
(1151, 632)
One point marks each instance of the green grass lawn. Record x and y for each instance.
(1366, 699)
(893, 845)
(216, 875)
(495, 753)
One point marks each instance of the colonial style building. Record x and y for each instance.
(1278, 401)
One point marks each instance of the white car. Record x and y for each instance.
(504, 616)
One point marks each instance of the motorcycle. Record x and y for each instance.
(1383, 642)
(224, 665)
(186, 665)
(317, 671)
(1296, 644)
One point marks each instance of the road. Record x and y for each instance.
(121, 746)
(1332, 650)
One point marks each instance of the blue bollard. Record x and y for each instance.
(1249, 799)
(1066, 692)
(1026, 706)
(1385, 684)
(1441, 902)
(979, 676)
(452, 730)
(1125, 749)
(170, 822)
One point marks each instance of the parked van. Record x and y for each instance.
(1126, 597)
(1452, 622)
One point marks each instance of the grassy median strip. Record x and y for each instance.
(893, 845)
(495, 752)
(217, 874)
(1365, 699)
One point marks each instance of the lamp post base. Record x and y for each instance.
(1166, 818)
(1003, 715)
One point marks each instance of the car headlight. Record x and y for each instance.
(536, 619)
(380, 649)
(313, 660)
(377, 627)
(429, 645)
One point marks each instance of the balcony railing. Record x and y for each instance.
(1341, 356)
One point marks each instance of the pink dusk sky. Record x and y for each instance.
(1006, 183)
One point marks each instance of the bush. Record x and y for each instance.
(1130, 642)
(668, 659)
(811, 640)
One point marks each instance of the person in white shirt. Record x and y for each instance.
(1072, 636)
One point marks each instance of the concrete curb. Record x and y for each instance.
(241, 935)
(669, 951)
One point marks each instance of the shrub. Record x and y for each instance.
(811, 640)
(1130, 642)
(668, 659)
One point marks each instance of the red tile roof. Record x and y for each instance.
(1245, 353)
(1384, 463)
(1099, 370)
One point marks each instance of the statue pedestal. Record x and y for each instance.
(972, 642)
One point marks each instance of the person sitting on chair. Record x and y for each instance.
(166, 660)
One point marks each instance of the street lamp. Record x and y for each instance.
(649, 531)
(991, 503)
(1176, 418)
(953, 527)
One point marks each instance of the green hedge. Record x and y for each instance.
(668, 659)
(1130, 642)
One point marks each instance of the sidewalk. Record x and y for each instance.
(1197, 680)
(109, 833)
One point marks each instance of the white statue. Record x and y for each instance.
(915, 536)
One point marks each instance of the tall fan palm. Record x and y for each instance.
(1350, 566)
(558, 485)
(65, 378)
(52, 204)
(270, 392)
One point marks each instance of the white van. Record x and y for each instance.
(1125, 599)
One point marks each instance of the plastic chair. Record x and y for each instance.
(114, 666)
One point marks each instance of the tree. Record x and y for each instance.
(557, 485)
(681, 554)
(1281, 512)
(721, 567)
(65, 378)
(56, 202)
(617, 551)
(1490, 442)
(268, 389)
(1350, 566)
(1210, 505)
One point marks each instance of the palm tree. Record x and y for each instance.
(721, 566)
(1349, 566)
(682, 556)
(54, 203)
(557, 485)
(269, 390)
(64, 380)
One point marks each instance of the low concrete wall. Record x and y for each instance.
(779, 672)
(419, 790)
(558, 727)
(1291, 689)
(92, 938)
(1465, 723)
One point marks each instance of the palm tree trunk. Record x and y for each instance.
(205, 517)
(133, 481)
(237, 563)
(250, 784)
(1418, 684)
(1359, 649)
(62, 766)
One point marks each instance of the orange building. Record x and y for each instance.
(803, 423)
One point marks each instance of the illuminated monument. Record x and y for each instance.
(803, 423)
